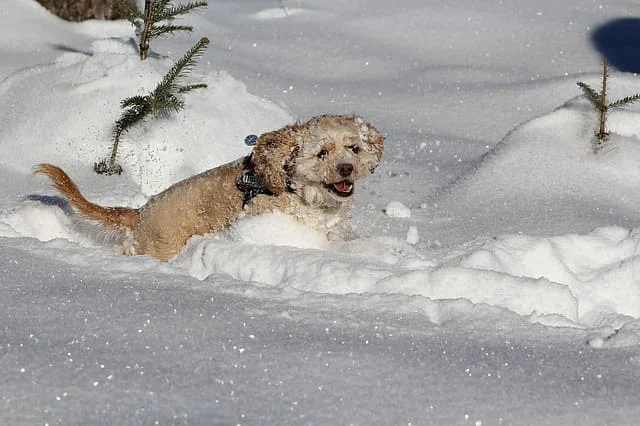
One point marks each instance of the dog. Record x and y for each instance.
(306, 170)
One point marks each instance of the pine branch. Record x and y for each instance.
(185, 64)
(592, 95)
(190, 87)
(132, 115)
(165, 104)
(158, 9)
(173, 11)
(165, 29)
(603, 92)
(133, 101)
(156, 20)
(625, 101)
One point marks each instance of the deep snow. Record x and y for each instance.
(494, 280)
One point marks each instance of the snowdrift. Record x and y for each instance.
(568, 280)
(550, 159)
(74, 128)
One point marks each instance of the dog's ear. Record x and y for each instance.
(372, 142)
(273, 157)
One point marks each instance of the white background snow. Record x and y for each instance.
(496, 279)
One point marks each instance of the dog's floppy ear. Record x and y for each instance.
(273, 157)
(372, 141)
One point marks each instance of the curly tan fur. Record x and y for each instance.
(312, 168)
(309, 168)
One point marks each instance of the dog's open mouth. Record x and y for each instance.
(343, 188)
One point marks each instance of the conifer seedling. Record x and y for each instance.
(156, 19)
(161, 102)
(600, 103)
(284, 7)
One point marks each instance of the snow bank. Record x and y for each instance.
(546, 168)
(581, 278)
(35, 220)
(156, 153)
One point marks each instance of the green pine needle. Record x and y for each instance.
(158, 7)
(166, 105)
(132, 115)
(156, 19)
(166, 29)
(184, 64)
(625, 101)
(173, 11)
(133, 101)
(592, 95)
(190, 87)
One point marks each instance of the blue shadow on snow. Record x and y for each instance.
(619, 41)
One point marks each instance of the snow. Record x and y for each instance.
(413, 236)
(494, 279)
(398, 210)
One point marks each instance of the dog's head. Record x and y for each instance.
(320, 159)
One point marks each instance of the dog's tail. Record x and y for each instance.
(118, 217)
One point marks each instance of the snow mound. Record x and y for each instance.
(577, 280)
(338, 272)
(551, 160)
(276, 229)
(156, 153)
(48, 218)
(398, 210)
(36, 220)
(599, 268)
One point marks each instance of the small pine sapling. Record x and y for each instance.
(155, 20)
(284, 7)
(164, 100)
(599, 102)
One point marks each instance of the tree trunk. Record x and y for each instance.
(80, 10)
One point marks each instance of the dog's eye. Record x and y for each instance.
(354, 148)
(323, 153)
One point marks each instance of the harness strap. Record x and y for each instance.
(249, 183)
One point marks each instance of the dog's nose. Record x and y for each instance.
(345, 169)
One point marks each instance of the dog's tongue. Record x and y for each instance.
(343, 186)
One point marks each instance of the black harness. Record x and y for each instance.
(249, 183)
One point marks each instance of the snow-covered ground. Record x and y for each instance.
(496, 279)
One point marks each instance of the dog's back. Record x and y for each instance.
(204, 203)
